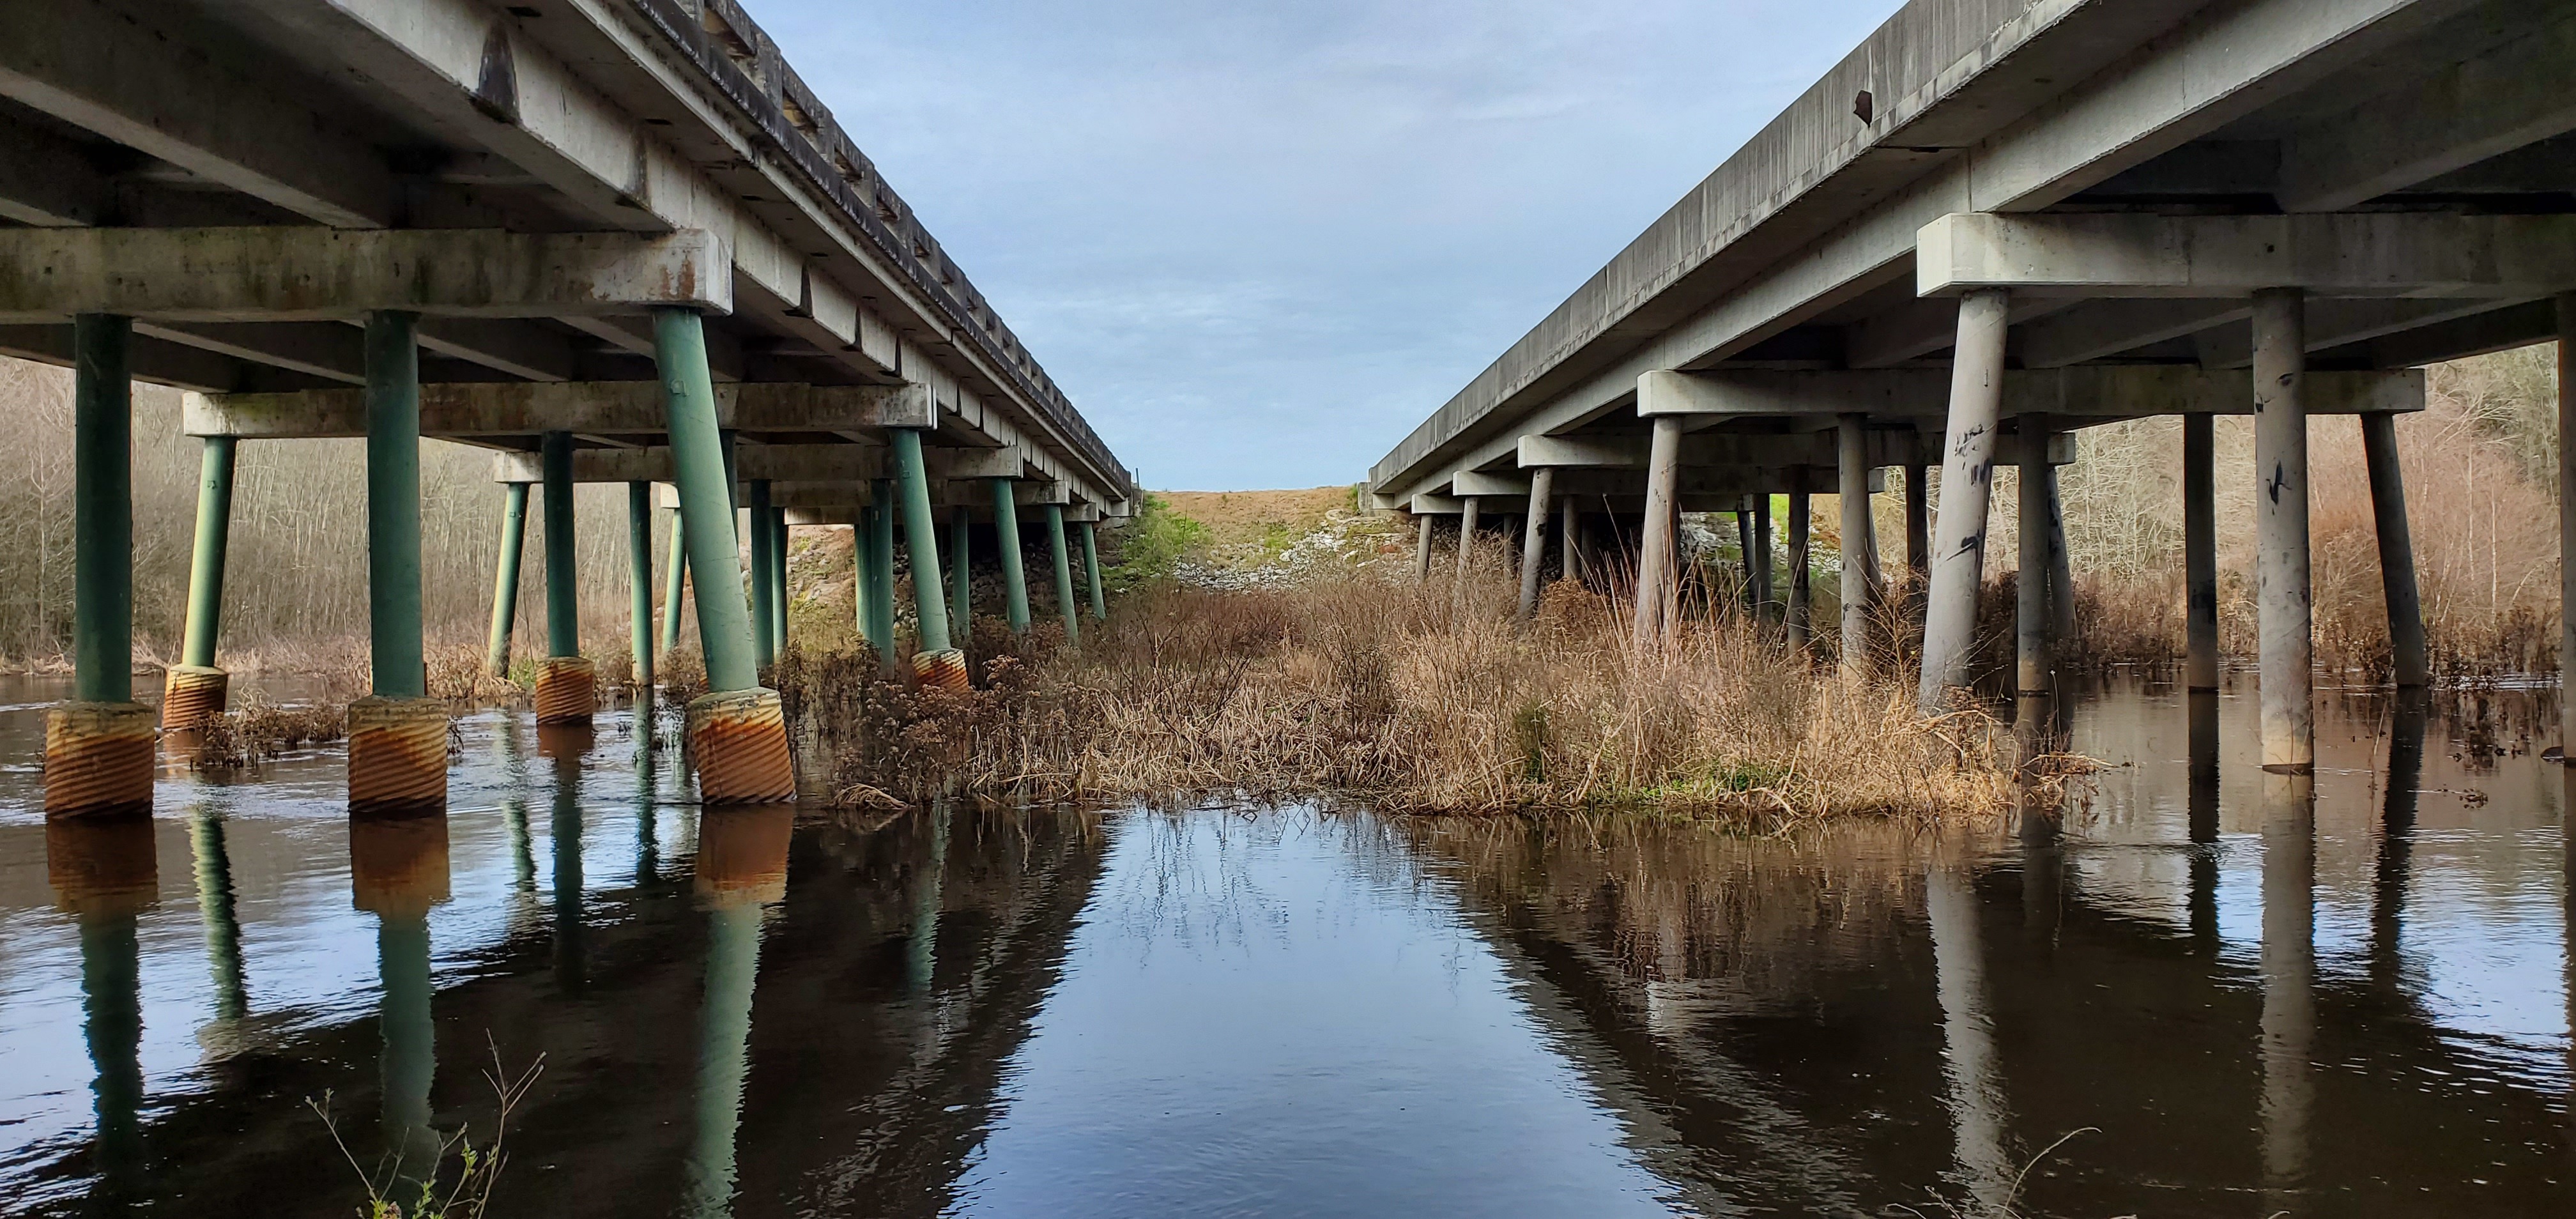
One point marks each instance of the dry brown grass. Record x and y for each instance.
(1413, 699)
(262, 731)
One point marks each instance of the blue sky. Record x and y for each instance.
(1258, 243)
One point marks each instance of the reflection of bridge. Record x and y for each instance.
(619, 238)
(1998, 222)
(892, 987)
(1823, 1028)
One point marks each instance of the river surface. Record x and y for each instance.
(2212, 994)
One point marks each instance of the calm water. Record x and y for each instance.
(2225, 999)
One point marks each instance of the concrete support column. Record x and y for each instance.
(2409, 660)
(737, 733)
(1744, 553)
(505, 579)
(397, 735)
(1534, 537)
(193, 690)
(879, 519)
(1765, 606)
(1422, 548)
(1801, 516)
(934, 662)
(1466, 538)
(778, 580)
(675, 573)
(2061, 570)
(2281, 531)
(2567, 523)
(1091, 570)
(961, 575)
(2200, 553)
(2288, 974)
(98, 748)
(566, 689)
(2031, 660)
(1918, 523)
(764, 566)
(1851, 452)
(1015, 582)
(1658, 548)
(1063, 574)
(1569, 535)
(1959, 532)
(639, 561)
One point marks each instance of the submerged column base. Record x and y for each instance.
(98, 759)
(397, 755)
(192, 696)
(738, 742)
(567, 690)
(944, 669)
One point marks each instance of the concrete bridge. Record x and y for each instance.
(1998, 222)
(617, 238)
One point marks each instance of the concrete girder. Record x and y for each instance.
(48, 181)
(1900, 447)
(1923, 327)
(2219, 65)
(2085, 393)
(316, 274)
(2335, 323)
(2453, 118)
(2093, 330)
(2384, 254)
(136, 75)
(775, 462)
(469, 410)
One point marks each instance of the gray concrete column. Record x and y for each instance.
(2409, 662)
(1422, 548)
(1801, 513)
(1967, 469)
(1567, 544)
(1918, 523)
(2281, 530)
(2061, 572)
(1657, 549)
(1765, 607)
(2030, 609)
(1744, 551)
(1852, 468)
(1466, 539)
(2567, 523)
(1534, 536)
(2200, 553)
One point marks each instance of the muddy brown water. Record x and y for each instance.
(2205, 996)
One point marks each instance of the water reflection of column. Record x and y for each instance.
(2203, 812)
(742, 864)
(2396, 835)
(2288, 972)
(397, 871)
(2567, 928)
(565, 744)
(103, 872)
(215, 906)
(924, 944)
(648, 849)
(1974, 1072)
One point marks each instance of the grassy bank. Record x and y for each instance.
(1363, 686)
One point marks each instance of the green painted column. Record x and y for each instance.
(563, 593)
(393, 505)
(1091, 570)
(778, 578)
(881, 569)
(1063, 574)
(639, 557)
(215, 906)
(675, 577)
(102, 511)
(764, 569)
(1015, 581)
(921, 540)
(206, 565)
(961, 576)
(505, 577)
(706, 508)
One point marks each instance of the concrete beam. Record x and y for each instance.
(1621, 451)
(2096, 330)
(596, 408)
(778, 462)
(2130, 254)
(2334, 323)
(2455, 117)
(1008, 461)
(48, 181)
(1922, 327)
(314, 274)
(148, 78)
(1479, 483)
(1906, 446)
(2099, 392)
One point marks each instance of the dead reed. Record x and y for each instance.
(262, 731)
(1415, 699)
